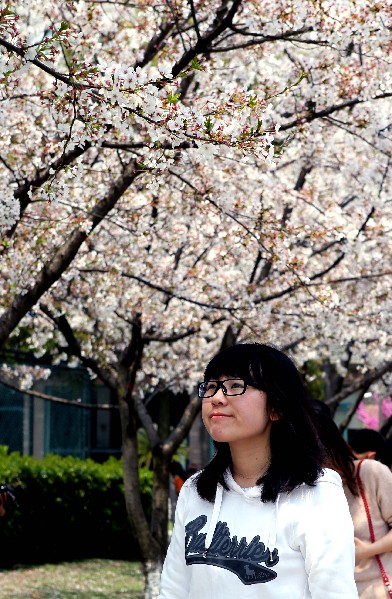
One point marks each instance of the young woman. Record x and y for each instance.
(376, 480)
(262, 519)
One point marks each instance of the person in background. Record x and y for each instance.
(263, 518)
(369, 444)
(178, 474)
(177, 479)
(2, 507)
(6, 496)
(376, 481)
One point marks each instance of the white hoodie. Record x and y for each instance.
(300, 547)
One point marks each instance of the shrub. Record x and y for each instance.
(66, 508)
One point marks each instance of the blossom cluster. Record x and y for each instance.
(257, 197)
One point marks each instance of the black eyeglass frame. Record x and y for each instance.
(220, 385)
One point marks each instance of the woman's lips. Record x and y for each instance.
(218, 416)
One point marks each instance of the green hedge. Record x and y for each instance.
(67, 508)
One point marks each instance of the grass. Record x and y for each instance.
(90, 579)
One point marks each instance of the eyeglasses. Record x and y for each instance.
(228, 386)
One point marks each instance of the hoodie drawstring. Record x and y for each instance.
(271, 544)
(214, 517)
(272, 531)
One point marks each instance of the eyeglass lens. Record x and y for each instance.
(229, 387)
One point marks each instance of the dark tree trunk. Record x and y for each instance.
(152, 537)
(150, 549)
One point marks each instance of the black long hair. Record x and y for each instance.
(296, 454)
(339, 455)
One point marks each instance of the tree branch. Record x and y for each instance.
(193, 13)
(166, 291)
(155, 44)
(22, 191)
(247, 33)
(263, 39)
(301, 284)
(141, 144)
(63, 255)
(128, 365)
(344, 424)
(41, 65)
(223, 21)
(43, 175)
(370, 377)
(74, 348)
(178, 434)
(365, 222)
(311, 116)
(171, 338)
(147, 423)
(60, 400)
(135, 346)
(177, 296)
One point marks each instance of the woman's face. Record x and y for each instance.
(237, 418)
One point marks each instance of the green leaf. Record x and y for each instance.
(195, 64)
(252, 101)
(173, 98)
(208, 124)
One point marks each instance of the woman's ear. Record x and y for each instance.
(364, 455)
(274, 416)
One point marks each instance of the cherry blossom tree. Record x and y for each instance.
(183, 174)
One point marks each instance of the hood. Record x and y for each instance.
(253, 493)
(250, 493)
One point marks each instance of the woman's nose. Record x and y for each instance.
(219, 397)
